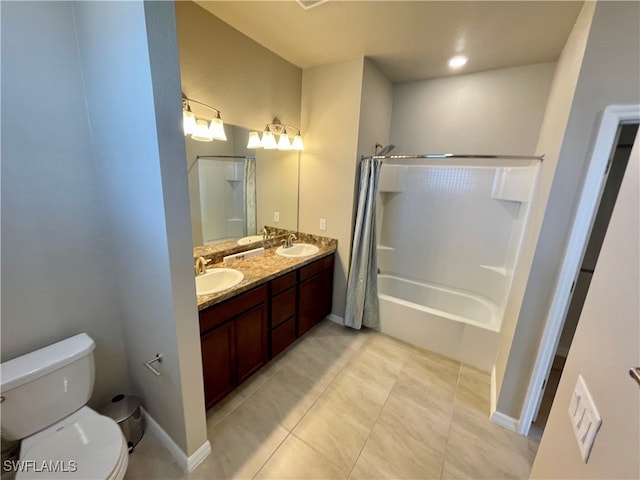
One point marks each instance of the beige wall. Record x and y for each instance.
(58, 277)
(494, 112)
(607, 74)
(227, 70)
(605, 346)
(330, 113)
(277, 189)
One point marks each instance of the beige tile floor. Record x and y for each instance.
(357, 405)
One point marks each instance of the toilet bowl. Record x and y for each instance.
(44, 396)
(85, 445)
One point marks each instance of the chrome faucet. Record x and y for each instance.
(201, 266)
(265, 233)
(290, 240)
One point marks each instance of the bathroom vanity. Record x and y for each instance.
(243, 327)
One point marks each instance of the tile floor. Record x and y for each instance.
(357, 405)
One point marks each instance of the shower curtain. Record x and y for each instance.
(249, 187)
(362, 284)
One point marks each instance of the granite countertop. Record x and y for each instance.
(262, 268)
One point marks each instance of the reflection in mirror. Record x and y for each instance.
(234, 192)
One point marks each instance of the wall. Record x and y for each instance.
(277, 188)
(58, 278)
(129, 58)
(613, 29)
(494, 112)
(227, 70)
(604, 348)
(330, 112)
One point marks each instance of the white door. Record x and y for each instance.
(606, 345)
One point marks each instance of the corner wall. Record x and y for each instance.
(609, 74)
(130, 66)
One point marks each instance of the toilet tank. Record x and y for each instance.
(42, 387)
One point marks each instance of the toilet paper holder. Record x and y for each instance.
(149, 364)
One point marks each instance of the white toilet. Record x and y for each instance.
(43, 404)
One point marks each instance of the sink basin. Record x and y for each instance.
(250, 239)
(217, 279)
(298, 250)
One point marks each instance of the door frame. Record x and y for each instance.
(612, 117)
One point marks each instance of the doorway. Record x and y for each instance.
(616, 170)
(618, 127)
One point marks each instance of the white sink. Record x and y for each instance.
(298, 250)
(217, 279)
(250, 239)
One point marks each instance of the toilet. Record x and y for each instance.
(44, 396)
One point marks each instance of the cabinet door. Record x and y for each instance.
(251, 341)
(325, 292)
(217, 363)
(307, 304)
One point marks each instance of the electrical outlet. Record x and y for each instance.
(323, 224)
(584, 417)
(276, 217)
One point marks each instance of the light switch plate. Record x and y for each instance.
(323, 224)
(584, 417)
(276, 216)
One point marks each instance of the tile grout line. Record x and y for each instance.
(290, 432)
(378, 416)
(446, 443)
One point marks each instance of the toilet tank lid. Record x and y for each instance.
(30, 366)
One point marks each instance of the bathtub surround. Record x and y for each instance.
(362, 285)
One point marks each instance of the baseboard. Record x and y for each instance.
(188, 464)
(336, 319)
(494, 396)
(505, 421)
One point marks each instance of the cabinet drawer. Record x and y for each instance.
(283, 336)
(283, 306)
(282, 283)
(218, 314)
(316, 267)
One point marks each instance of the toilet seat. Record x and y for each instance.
(94, 442)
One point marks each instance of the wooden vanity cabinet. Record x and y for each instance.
(241, 334)
(314, 293)
(234, 342)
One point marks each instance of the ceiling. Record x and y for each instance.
(408, 40)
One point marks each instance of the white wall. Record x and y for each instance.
(494, 112)
(130, 67)
(330, 113)
(58, 278)
(608, 75)
(604, 348)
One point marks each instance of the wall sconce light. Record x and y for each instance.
(200, 129)
(268, 141)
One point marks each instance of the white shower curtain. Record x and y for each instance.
(362, 284)
(249, 186)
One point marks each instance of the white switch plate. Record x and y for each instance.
(584, 417)
(276, 216)
(323, 224)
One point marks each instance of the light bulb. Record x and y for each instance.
(216, 130)
(297, 143)
(254, 140)
(458, 61)
(269, 141)
(284, 143)
(201, 132)
(188, 122)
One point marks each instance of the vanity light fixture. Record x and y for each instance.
(458, 61)
(268, 141)
(201, 129)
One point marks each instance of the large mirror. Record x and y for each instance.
(234, 192)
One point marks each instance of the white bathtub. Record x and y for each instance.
(459, 325)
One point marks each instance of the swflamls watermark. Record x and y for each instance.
(45, 466)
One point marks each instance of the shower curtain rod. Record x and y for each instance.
(455, 155)
(250, 157)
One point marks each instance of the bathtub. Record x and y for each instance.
(457, 324)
